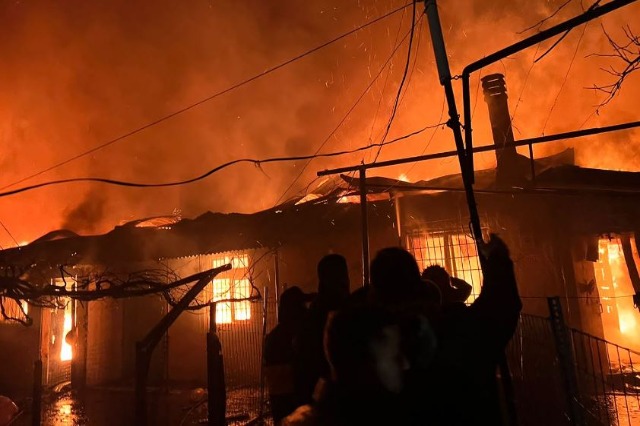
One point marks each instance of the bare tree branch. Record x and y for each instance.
(628, 54)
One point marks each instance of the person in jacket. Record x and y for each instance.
(364, 349)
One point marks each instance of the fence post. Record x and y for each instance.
(216, 387)
(263, 336)
(564, 351)
(36, 407)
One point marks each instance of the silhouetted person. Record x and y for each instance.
(279, 353)
(462, 384)
(363, 346)
(333, 291)
(395, 278)
(453, 290)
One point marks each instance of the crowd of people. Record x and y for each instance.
(404, 350)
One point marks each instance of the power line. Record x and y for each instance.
(9, 233)
(348, 113)
(386, 80)
(257, 163)
(402, 82)
(566, 76)
(211, 97)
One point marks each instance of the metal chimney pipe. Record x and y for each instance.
(495, 95)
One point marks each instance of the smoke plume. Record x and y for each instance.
(76, 74)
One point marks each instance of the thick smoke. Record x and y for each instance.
(88, 215)
(75, 74)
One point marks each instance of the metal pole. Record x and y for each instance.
(465, 170)
(263, 341)
(36, 407)
(566, 359)
(216, 387)
(276, 279)
(145, 347)
(486, 148)
(437, 39)
(364, 212)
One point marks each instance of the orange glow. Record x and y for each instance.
(403, 177)
(234, 285)
(620, 318)
(349, 199)
(66, 352)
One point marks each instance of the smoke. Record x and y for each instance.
(76, 74)
(86, 216)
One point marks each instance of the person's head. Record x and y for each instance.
(394, 273)
(292, 305)
(438, 275)
(333, 277)
(363, 346)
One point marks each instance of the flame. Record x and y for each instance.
(615, 287)
(66, 352)
(628, 323)
(403, 177)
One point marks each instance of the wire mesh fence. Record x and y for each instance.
(242, 351)
(606, 377)
(536, 373)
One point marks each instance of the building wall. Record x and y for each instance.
(299, 258)
(18, 353)
(534, 229)
(104, 342)
(140, 315)
(241, 339)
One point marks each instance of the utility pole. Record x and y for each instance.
(466, 170)
(437, 39)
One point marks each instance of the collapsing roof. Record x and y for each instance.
(161, 238)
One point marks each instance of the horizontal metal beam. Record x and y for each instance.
(547, 34)
(524, 142)
(517, 47)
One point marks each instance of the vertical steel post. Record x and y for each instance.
(265, 306)
(36, 407)
(365, 226)
(276, 279)
(216, 387)
(567, 362)
(466, 169)
(437, 39)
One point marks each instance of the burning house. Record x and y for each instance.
(573, 233)
(267, 250)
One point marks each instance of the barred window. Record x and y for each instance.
(232, 285)
(454, 251)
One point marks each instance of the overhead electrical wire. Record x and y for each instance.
(211, 97)
(257, 163)
(386, 80)
(564, 80)
(346, 116)
(402, 81)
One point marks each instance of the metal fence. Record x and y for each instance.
(564, 376)
(608, 380)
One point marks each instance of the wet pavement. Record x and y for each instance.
(102, 407)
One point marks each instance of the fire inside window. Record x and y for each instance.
(621, 321)
(454, 251)
(66, 351)
(232, 285)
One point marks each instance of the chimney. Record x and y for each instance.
(508, 171)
